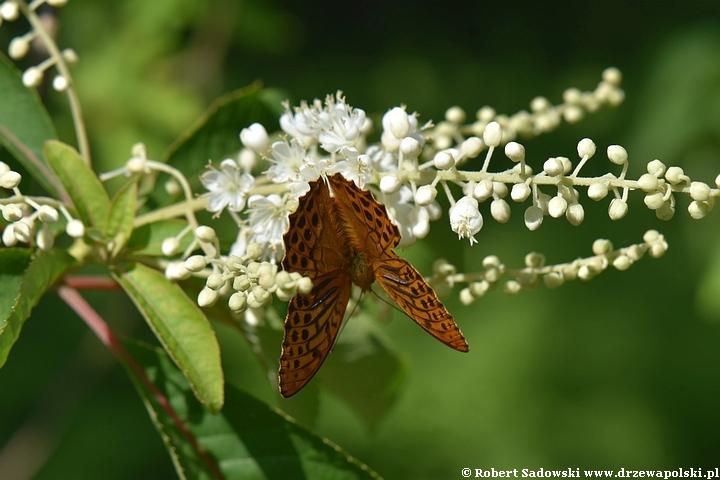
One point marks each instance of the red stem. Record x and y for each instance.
(73, 298)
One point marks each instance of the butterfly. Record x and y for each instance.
(339, 235)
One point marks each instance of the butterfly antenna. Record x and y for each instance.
(386, 301)
(347, 317)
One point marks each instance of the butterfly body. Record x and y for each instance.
(340, 235)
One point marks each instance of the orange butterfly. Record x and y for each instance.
(340, 235)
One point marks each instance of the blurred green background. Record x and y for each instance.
(623, 371)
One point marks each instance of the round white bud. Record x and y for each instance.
(492, 136)
(10, 10)
(48, 214)
(539, 104)
(136, 165)
(455, 115)
(8, 236)
(597, 191)
(617, 154)
(515, 151)
(207, 297)
(390, 184)
(717, 181)
(10, 179)
(398, 122)
(170, 246)
(657, 168)
(466, 296)
(205, 234)
(575, 214)
(500, 210)
(697, 209)
(520, 192)
(572, 96)
(444, 160)
(557, 206)
(612, 76)
(215, 281)
(4, 167)
(45, 239)
(410, 147)
(172, 187)
(70, 56)
(573, 114)
(553, 279)
(32, 77)
(586, 148)
(699, 191)
(485, 114)
(254, 251)
(238, 302)
(304, 285)
(425, 195)
(22, 231)
(512, 287)
(533, 217)
(553, 167)
(75, 228)
(195, 263)
(654, 200)
(618, 209)
(60, 83)
(601, 246)
(675, 175)
(534, 260)
(12, 212)
(648, 182)
(255, 137)
(471, 147)
(18, 48)
(622, 262)
(483, 190)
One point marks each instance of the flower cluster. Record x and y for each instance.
(32, 218)
(494, 272)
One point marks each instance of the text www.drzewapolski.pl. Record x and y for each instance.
(706, 474)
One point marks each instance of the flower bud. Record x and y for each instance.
(520, 192)
(425, 195)
(492, 136)
(618, 209)
(597, 191)
(410, 147)
(255, 137)
(500, 210)
(617, 154)
(586, 148)
(397, 122)
(390, 184)
(515, 151)
(444, 160)
(195, 263)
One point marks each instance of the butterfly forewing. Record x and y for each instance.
(367, 219)
(417, 299)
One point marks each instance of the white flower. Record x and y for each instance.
(356, 168)
(334, 125)
(228, 187)
(287, 159)
(267, 222)
(465, 218)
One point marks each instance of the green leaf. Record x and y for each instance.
(87, 193)
(216, 134)
(24, 278)
(120, 218)
(247, 440)
(147, 239)
(365, 370)
(25, 125)
(182, 329)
